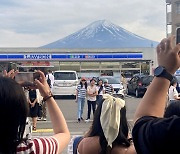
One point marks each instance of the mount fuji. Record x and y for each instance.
(102, 34)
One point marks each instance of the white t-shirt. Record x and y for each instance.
(172, 92)
(91, 90)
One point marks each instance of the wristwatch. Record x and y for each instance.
(160, 71)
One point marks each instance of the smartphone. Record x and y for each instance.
(26, 79)
(178, 35)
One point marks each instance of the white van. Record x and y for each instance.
(65, 82)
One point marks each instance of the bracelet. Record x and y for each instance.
(47, 97)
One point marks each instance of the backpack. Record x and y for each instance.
(49, 81)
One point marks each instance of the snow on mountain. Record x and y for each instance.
(102, 34)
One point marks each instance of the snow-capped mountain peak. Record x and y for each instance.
(102, 34)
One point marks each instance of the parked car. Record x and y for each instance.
(138, 84)
(65, 83)
(116, 84)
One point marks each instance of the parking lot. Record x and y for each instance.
(69, 109)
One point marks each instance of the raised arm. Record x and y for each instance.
(58, 121)
(153, 102)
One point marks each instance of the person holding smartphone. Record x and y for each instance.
(152, 133)
(14, 111)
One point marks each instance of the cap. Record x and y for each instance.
(83, 79)
(105, 80)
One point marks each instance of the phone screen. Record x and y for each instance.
(178, 35)
(26, 79)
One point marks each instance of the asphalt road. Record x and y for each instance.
(69, 108)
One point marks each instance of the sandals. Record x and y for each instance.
(34, 128)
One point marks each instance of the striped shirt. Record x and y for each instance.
(81, 91)
(43, 145)
(108, 89)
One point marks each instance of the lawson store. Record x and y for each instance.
(87, 62)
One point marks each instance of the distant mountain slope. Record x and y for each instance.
(102, 34)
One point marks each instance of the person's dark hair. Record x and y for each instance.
(49, 71)
(93, 79)
(13, 113)
(84, 84)
(96, 130)
(101, 88)
(122, 74)
(172, 109)
(98, 81)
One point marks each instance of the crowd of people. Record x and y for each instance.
(94, 95)
(156, 126)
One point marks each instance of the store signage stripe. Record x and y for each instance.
(3, 57)
(58, 56)
(135, 56)
(15, 56)
(77, 56)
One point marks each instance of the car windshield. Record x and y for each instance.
(64, 76)
(127, 75)
(111, 80)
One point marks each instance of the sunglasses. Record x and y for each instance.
(83, 80)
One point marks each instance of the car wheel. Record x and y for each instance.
(137, 93)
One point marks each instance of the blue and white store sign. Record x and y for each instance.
(72, 57)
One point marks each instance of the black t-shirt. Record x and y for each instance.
(32, 95)
(152, 135)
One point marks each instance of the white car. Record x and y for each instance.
(119, 89)
(65, 83)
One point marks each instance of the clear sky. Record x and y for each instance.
(33, 23)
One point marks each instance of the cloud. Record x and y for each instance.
(39, 22)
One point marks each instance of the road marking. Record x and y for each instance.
(68, 121)
(43, 131)
(47, 130)
(51, 131)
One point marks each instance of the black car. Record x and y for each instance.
(138, 84)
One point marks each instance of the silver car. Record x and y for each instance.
(119, 90)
